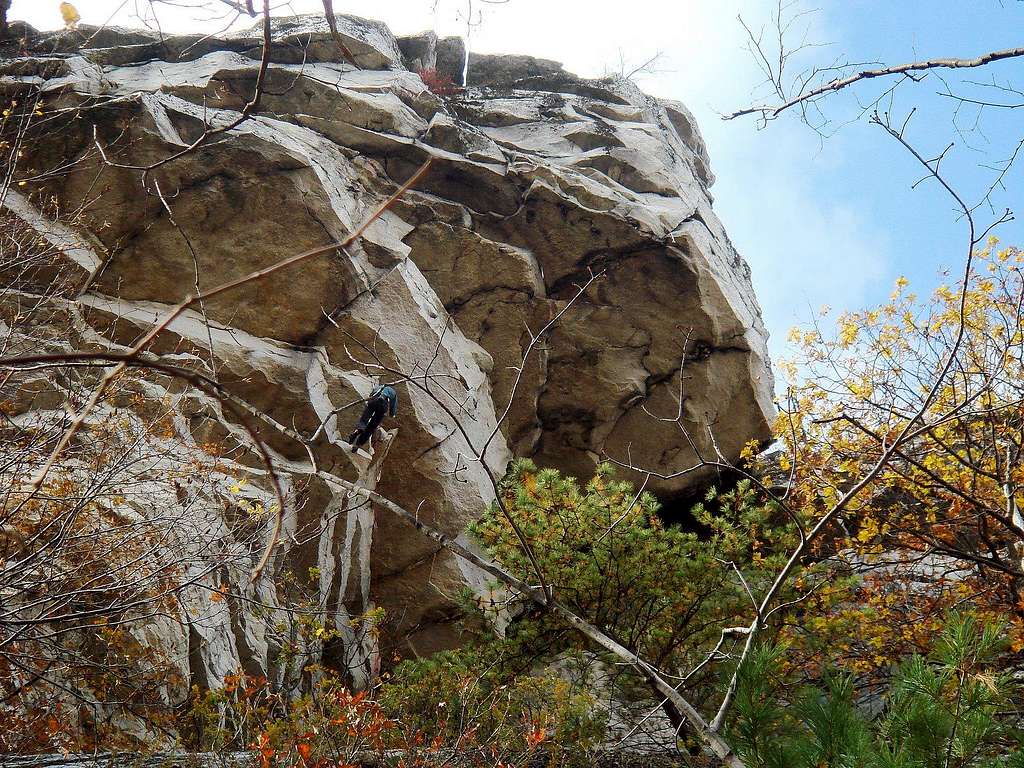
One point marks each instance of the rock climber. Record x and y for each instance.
(383, 400)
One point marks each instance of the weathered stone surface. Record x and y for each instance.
(91, 36)
(540, 179)
(419, 51)
(505, 71)
(451, 58)
(308, 38)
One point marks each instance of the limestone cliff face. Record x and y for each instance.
(539, 178)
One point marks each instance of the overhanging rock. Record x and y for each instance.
(540, 179)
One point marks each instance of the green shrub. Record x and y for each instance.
(953, 709)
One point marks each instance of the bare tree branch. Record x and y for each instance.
(707, 733)
(332, 22)
(771, 111)
(174, 313)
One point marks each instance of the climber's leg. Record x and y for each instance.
(359, 435)
(372, 416)
(375, 421)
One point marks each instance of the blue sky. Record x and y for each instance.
(866, 172)
(831, 221)
(850, 222)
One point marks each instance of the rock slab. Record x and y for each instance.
(540, 180)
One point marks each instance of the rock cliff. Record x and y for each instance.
(539, 178)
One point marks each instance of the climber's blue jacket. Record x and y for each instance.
(388, 393)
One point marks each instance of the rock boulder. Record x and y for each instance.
(540, 180)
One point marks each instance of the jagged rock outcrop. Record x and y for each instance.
(539, 178)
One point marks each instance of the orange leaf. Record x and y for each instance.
(266, 751)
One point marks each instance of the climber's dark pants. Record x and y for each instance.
(373, 415)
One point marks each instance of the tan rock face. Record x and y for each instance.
(540, 179)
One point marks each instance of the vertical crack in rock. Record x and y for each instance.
(345, 571)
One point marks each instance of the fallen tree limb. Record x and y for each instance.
(713, 742)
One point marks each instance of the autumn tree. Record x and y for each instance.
(942, 523)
